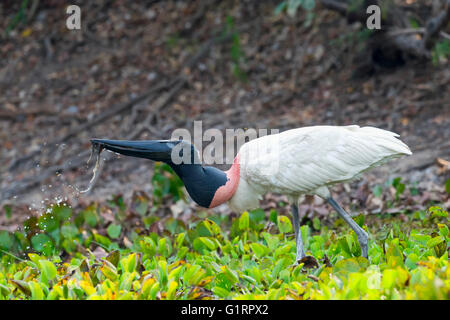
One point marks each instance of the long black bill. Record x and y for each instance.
(200, 182)
(156, 150)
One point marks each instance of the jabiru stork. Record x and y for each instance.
(309, 161)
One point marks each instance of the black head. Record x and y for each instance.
(201, 182)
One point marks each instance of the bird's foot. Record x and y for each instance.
(364, 253)
(363, 240)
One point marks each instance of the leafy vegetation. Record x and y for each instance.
(237, 54)
(108, 252)
(19, 18)
(441, 51)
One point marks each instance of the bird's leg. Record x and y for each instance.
(363, 237)
(298, 233)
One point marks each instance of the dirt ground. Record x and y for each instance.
(54, 81)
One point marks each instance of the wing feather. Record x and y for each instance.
(305, 159)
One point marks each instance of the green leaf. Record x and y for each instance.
(443, 229)
(284, 224)
(164, 247)
(8, 210)
(292, 6)
(440, 249)
(212, 227)
(377, 190)
(244, 221)
(69, 231)
(280, 7)
(441, 50)
(90, 216)
(4, 290)
(413, 190)
(309, 4)
(48, 222)
(6, 240)
(198, 245)
(399, 186)
(257, 215)
(62, 212)
(109, 270)
(114, 230)
(344, 246)
(447, 185)
(141, 205)
(114, 257)
(420, 238)
(435, 241)
(438, 212)
(349, 265)
(316, 223)
(148, 246)
(259, 249)
(230, 275)
(195, 275)
(271, 240)
(220, 292)
(36, 291)
(172, 290)
(131, 262)
(35, 258)
(388, 278)
(42, 243)
(204, 229)
(414, 23)
(411, 261)
(84, 266)
(23, 286)
(273, 216)
(180, 239)
(48, 270)
(222, 281)
(102, 240)
(208, 243)
(359, 219)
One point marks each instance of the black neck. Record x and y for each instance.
(200, 182)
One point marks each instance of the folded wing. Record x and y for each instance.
(302, 160)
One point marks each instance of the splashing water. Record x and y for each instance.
(96, 148)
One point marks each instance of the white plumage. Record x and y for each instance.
(308, 160)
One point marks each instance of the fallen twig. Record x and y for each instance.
(13, 115)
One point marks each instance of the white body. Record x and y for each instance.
(308, 160)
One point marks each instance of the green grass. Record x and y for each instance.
(119, 251)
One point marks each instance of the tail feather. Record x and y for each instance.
(388, 140)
